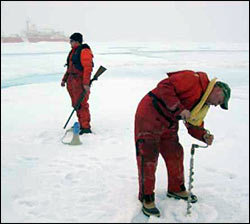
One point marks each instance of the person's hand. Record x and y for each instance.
(208, 138)
(86, 87)
(185, 114)
(62, 84)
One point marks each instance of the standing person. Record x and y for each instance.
(79, 69)
(184, 95)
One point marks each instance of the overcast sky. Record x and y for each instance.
(133, 21)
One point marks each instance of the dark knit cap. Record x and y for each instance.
(76, 37)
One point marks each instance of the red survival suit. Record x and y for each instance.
(156, 127)
(79, 68)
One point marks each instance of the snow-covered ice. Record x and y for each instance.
(46, 181)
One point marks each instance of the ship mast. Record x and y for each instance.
(27, 24)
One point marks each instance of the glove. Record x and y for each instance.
(208, 138)
(62, 84)
(86, 87)
(185, 114)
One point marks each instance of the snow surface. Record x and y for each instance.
(46, 181)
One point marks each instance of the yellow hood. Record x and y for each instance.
(200, 111)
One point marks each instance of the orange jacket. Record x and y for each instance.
(86, 61)
(182, 90)
(86, 58)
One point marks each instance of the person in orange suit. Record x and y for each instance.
(77, 76)
(156, 131)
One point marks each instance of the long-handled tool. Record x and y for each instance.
(97, 74)
(191, 179)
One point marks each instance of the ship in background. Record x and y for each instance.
(15, 38)
(33, 35)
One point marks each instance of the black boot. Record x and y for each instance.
(182, 195)
(85, 131)
(148, 206)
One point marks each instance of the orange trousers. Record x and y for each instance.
(153, 136)
(75, 88)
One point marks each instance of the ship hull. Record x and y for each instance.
(11, 40)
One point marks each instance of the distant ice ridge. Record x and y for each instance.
(26, 63)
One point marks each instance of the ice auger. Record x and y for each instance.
(191, 179)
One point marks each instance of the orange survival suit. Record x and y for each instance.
(156, 127)
(79, 69)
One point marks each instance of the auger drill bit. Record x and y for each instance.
(191, 179)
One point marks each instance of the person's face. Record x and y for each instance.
(73, 43)
(216, 97)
